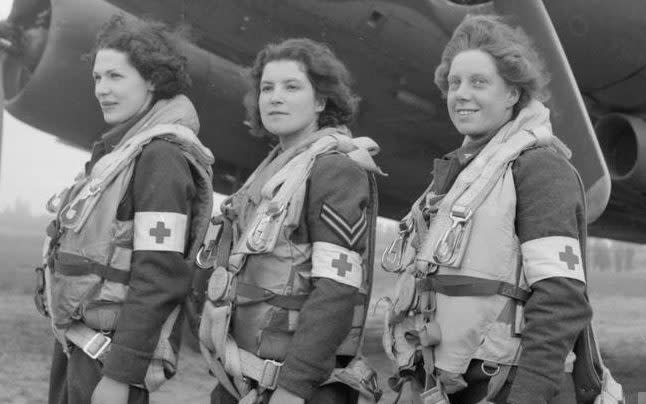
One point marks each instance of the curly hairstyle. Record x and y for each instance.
(152, 49)
(516, 58)
(329, 77)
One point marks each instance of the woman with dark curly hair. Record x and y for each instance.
(303, 230)
(495, 243)
(117, 267)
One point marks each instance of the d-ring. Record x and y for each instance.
(484, 366)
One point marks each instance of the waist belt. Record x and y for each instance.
(252, 294)
(95, 344)
(462, 285)
(75, 265)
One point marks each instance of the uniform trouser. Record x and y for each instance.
(333, 393)
(478, 383)
(72, 380)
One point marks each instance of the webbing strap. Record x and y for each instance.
(75, 265)
(92, 342)
(255, 294)
(462, 285)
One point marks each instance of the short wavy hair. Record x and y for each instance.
(152, 48)
(517, 60)
(330, 79)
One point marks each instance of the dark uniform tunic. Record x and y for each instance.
(549, 203)
(326, 317)
(159, 280)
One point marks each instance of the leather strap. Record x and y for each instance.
(252, 294)
(75, 265)
(462, 285)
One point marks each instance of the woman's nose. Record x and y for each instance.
(276, 96)
(462, 92)
(101, 88)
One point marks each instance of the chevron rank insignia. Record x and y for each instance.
(349, 232)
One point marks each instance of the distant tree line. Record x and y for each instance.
(18, 219)
(616, 256)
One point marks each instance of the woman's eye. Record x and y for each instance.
(479, 82)
(265, 89)
(292, 87)
(454, 84)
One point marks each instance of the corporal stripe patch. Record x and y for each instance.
(337, 263)
(160, 231)
(350, 233)
(553, 256)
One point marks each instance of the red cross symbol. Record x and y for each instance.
(160, 232)
(342, 264)
(569, 257)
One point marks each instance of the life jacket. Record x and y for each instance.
(461, 290)
(272, 273)
(89, 261)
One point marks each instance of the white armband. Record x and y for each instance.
(549, 257)
(160, 231)
(338, 263)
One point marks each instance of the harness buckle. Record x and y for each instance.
(270, 372)
(490, 369)
(96, 345)
(447, 245)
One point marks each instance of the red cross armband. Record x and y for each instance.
(549, 257)
(337, 263)
(160, 231)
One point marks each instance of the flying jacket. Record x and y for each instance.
(92, 255)
(284, 265)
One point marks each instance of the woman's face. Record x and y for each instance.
(478, 99)
(287, 102)
(122, 92)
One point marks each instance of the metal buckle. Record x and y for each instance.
(484, 366)
(203, 262)
(270, 372)
(101, 346)
(447, 245)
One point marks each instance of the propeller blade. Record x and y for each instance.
(569, 115)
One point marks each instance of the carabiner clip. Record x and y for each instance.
(447, 245)
(261, 233)
(391, 259)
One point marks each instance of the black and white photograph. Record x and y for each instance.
(323, 201)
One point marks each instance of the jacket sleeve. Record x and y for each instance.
(338, 194)
(161, 191)
(548, 219)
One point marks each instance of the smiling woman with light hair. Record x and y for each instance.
(495, 244)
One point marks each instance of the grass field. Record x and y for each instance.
(618, 300)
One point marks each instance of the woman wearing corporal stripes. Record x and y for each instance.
(491, 295)
(287, 299)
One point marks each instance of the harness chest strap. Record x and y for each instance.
(462, 285)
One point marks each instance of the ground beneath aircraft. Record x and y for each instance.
(26, 343)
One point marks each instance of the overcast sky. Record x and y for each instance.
(34, 165)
